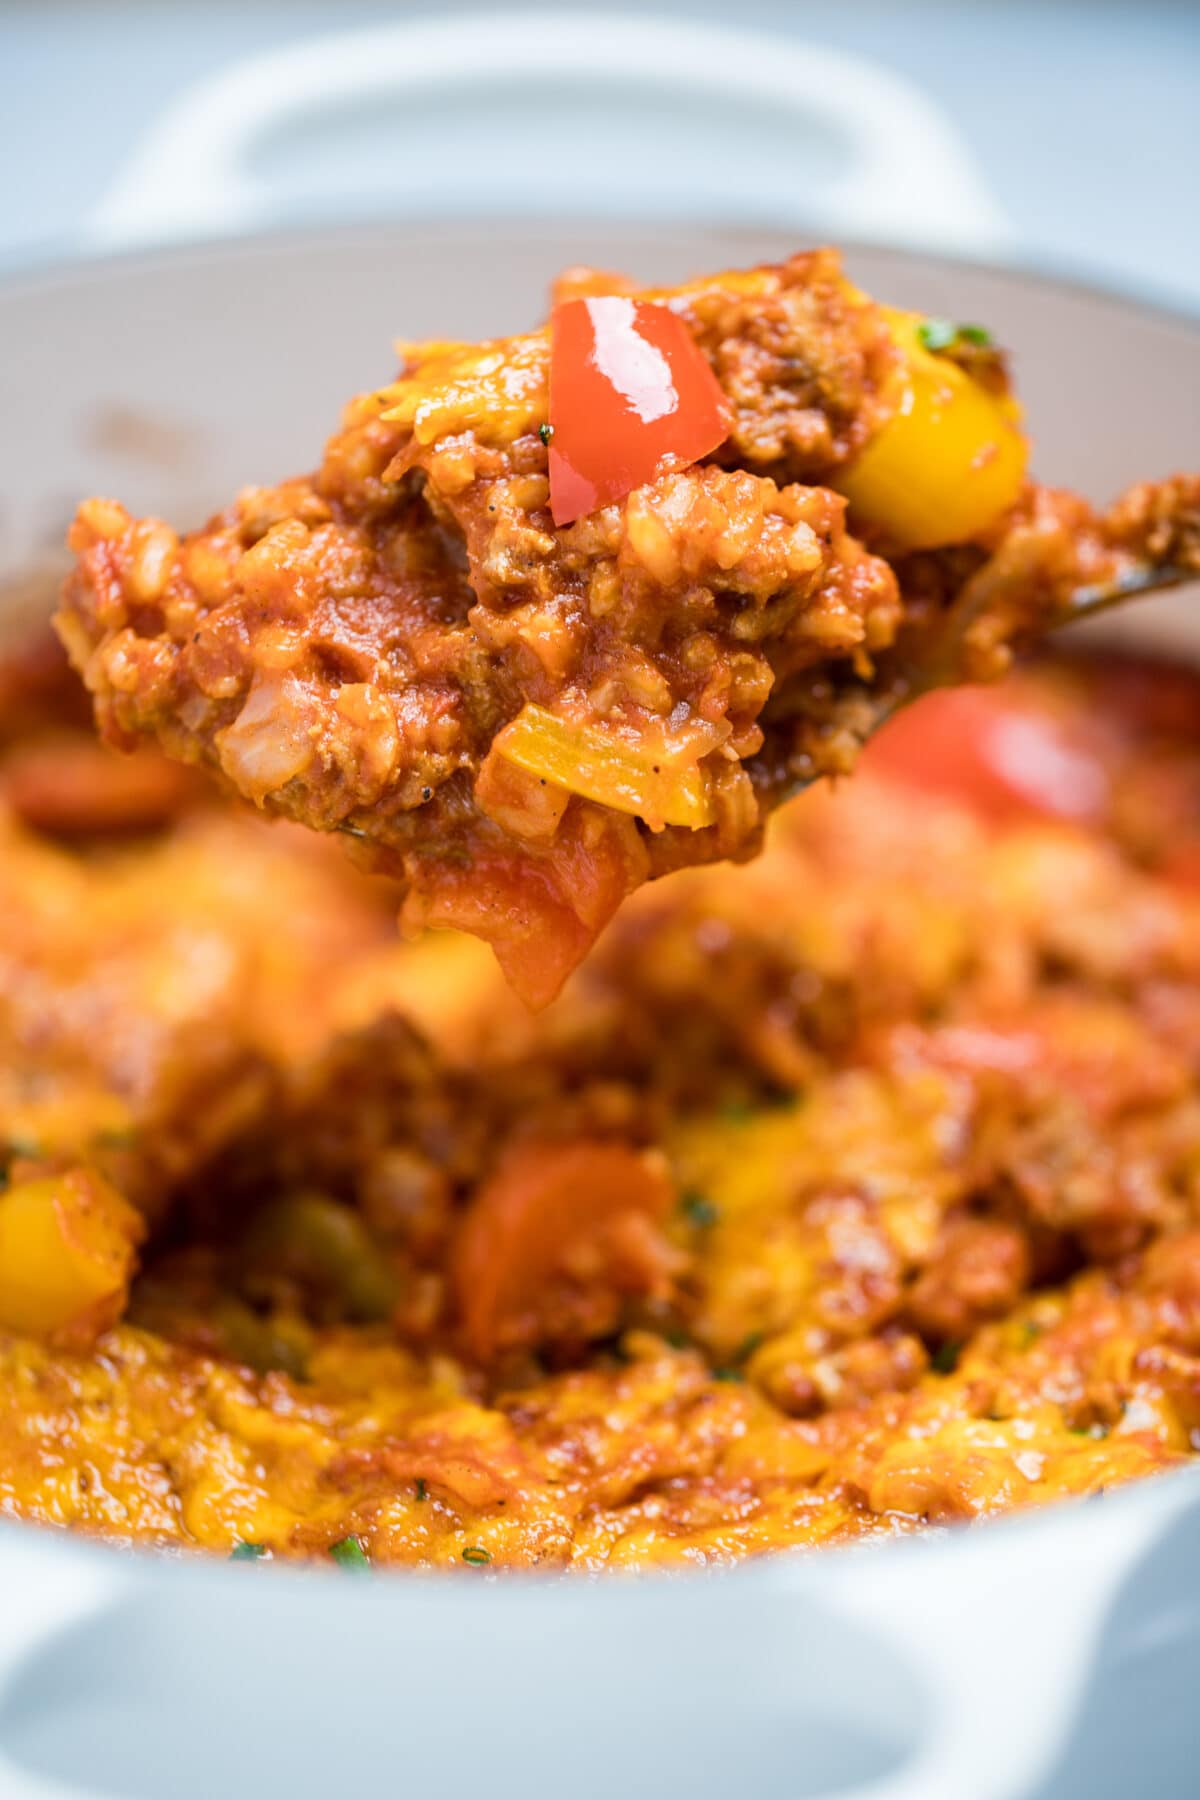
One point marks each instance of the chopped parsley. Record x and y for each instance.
(735, 1112)
(247, 1552)
(476, 1554)
(945, 1358)
(117, 1137)
(936, 334)
(21, 1145)
(734, 1369)
(698, 1208)
(943, 334)
(348, 1553)
(545, 432)
(422, 1490)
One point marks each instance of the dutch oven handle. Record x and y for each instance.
(53, 1585)
(1009, 1651)
(558, 116)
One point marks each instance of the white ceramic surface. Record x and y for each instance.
(570, 113)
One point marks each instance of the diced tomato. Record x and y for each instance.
(629, 389)
(1095, 1051)
(542, 1201)
(540, 913)
(1142, 696)
(1181, 865)
(74, 785)
(984, 748)
(514, 904)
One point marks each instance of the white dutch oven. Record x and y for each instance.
(1052, 1655)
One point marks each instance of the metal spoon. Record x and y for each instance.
(868, 707)
(864, 708)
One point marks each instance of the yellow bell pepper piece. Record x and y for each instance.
(496, 390)
(68, 1247)
(948, 460)
(651, 783)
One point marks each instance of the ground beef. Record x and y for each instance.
(346, 649)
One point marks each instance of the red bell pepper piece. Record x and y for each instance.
(630, 390)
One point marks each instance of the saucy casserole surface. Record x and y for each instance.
(849, 1192)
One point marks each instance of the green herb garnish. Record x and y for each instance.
(422, 1490)
(117, 1137)
(735, 1112)
(936, 334)
(944, 334)
(727, 1373)
(476, 1554)
(247, 1552)
(698, 1208)
(749, 1344)
(945, 1358)
(348, 1553)
(545, 432)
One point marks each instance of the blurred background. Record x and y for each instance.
(1060, 133)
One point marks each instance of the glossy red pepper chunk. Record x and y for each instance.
(1006, 759)
(629, 389)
